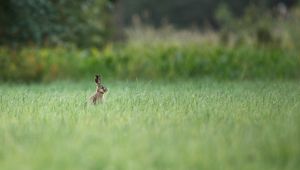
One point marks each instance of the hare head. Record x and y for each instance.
(100, 90)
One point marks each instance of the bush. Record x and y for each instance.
(39, 22)
(152, 61)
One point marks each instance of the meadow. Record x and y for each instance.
(150, 125)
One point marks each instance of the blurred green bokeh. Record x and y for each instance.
(44, 40)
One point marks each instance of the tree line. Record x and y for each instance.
(95, 22)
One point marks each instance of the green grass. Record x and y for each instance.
(192, 124)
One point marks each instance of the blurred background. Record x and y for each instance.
(46, 40)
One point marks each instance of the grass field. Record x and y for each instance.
(192, 124)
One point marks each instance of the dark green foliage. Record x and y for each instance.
(83, 22)
(264, 35)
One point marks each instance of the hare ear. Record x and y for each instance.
(97, 79)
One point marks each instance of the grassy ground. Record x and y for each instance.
(194, 124)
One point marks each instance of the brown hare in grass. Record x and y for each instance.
(100, 90)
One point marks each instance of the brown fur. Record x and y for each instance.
(100, 90)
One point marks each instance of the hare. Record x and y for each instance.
(100, 90)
